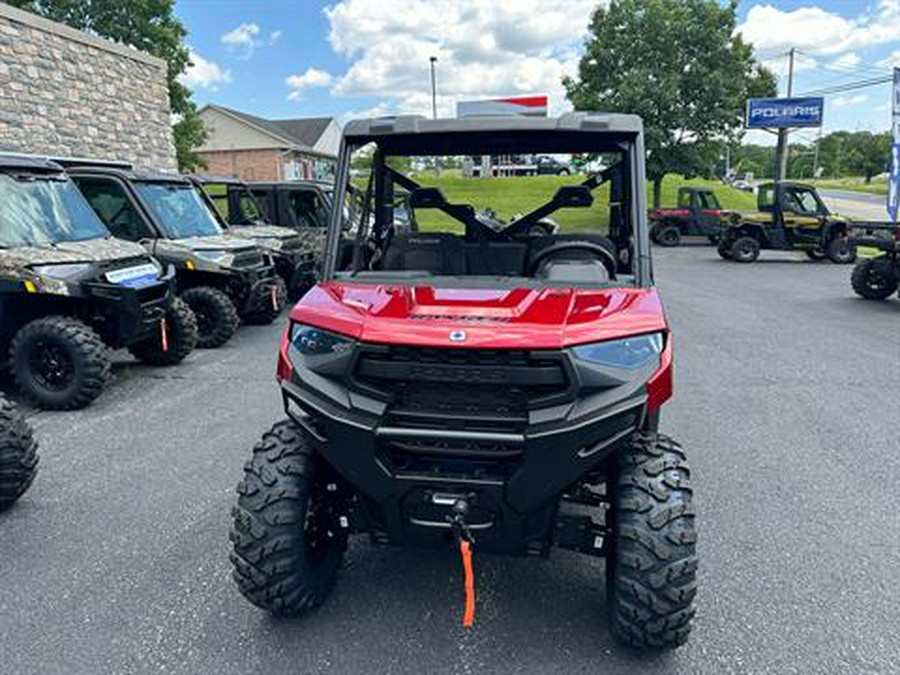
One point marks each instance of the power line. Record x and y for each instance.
(850, 86)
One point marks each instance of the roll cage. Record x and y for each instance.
(410, 136)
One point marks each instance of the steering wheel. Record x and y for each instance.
(598, 251)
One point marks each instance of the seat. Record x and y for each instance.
(495, 258)
(440, 253)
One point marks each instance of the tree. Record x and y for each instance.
(868, 154)
(148, 25)
(681, 67)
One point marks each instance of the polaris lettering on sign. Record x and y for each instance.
(768, 113)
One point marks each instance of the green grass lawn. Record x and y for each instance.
(508, 196)
(878, 186)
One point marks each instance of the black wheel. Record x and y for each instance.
(273, 306)
(217, 318)
(841, 251)
(874, 278)
(745, 250)
(652, 562)
(59, 363)
(815, 254)
(713, 238)
(724, 248)
(288, 542)
(18, 455)
(181, 337)
(562, 172)
(668, 235)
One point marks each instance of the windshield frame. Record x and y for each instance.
(78, 211)
(142, 189)
(632, 192)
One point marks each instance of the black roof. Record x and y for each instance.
(207, 179)
(571, 132)
(320, 184)
(16, 162)
(303, 132)
(127, 174)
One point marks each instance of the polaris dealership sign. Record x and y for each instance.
(769, 113)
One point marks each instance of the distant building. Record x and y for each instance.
(67, 92)
(253, 148)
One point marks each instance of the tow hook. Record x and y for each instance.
(463, 538)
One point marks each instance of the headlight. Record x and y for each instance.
(630, 353)
(65, 272)
(311, 341)
(213, 256)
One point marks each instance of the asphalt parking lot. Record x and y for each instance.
(117, 560)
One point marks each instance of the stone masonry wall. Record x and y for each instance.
(66, 93)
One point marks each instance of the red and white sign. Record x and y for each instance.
(521, 106)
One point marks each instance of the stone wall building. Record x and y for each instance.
(65, 92)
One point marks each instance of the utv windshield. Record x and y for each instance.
(40, 209)
(434, 217)
(179, 209)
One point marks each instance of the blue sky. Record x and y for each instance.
(368, 57)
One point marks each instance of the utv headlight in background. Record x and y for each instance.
(629, 353)
(213, 256)
(63, 271)
(310, 341)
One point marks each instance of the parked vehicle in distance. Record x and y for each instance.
(876, 275)
(488, 386)
(698, 214)
(18, 455)
(239, 214)
(223, 278)
(551, 166)
(68, 290)
(790, 217)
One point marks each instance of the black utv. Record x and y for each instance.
(223, 278)
(68, 290)
(241, 215)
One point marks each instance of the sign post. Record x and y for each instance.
(893, 203)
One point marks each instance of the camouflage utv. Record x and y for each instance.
(238, 212)
(18, 455)
(221, 277)
(68, 290)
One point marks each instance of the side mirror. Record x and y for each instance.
(426, 198)
(569, 196)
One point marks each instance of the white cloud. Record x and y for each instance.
(204, 74)
(820, 32)
(891, 61)
(274, 36)
(313, 77)
(847, 101)
(242, 39)
(846, 61)
(484, 49)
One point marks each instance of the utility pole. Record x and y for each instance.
(781, 150)
(433, 59)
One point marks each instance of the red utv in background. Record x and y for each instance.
(698, 214)
(479, 385)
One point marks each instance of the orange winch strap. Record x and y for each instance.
(466, 552)
(163, 335)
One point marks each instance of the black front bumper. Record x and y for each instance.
(298, 269)
(130, 314)
(251, 289)
(409, 471)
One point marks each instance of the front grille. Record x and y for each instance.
(462, 388)
(247, 259)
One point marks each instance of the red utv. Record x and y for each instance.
(698, 214)
(479, 384)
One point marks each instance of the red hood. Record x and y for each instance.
(491, 318)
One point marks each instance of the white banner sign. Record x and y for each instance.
(893, 204)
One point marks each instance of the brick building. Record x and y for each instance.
(253, 148)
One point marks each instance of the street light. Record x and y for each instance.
(433, 60)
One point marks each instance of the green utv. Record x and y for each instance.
(294, 251)
(68, 290)
(224, 279)
(18, 455)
